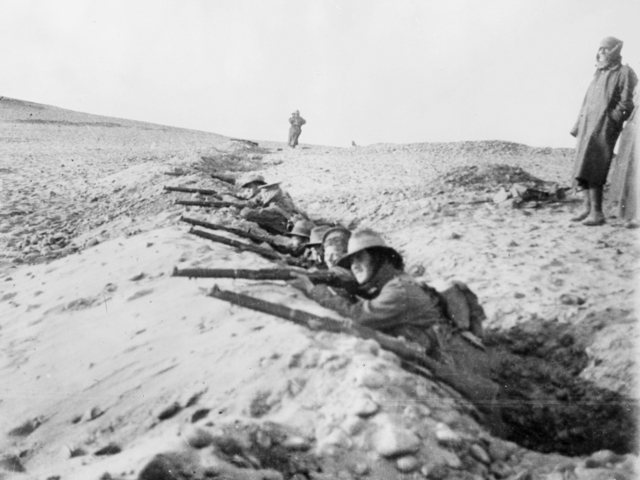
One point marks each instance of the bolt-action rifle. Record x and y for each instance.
(264, 252)
(326, 277)
(240, 233)
(481, 391)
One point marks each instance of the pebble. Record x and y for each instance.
(391, 441)
(371, 379)
(11, 463)
(353, 425)
(435, 472)
(444, 434)
(92, 414)
(570, 299)
(296, 443)
(365, 407)
(168, 411)
(407, 463)
(361, 469)
(601, 458)
(199, 438)
(479, 453)
(110, 449)
(500, 450)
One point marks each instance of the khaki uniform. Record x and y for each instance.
(399, 307)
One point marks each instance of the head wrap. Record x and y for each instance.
(613, 58)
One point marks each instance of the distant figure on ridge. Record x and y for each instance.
(296, 122)
(624, 186)
(607, 104)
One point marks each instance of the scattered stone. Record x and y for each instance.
(11, 463)
(110, 449)
(500, 450)
(371, 379)
(169, 411)
(570, 299)
(602, 458)
(137, 277)
(92, 414)
(392, 441)
(296, 443)
(479, 453)
(199, 438)
(445, 435)
(91, 243)
(519, 295)
(199, 414)
(353, 425)
(170, 466)
(26, 428)
(361, 469)
(365, 407)
(435, 472)
(407, 463)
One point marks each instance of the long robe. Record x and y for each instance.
(607, 104)
(624, 186)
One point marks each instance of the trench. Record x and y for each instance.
(546, 406)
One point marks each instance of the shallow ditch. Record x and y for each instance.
(546, 406)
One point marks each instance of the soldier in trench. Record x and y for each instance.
(395, 305)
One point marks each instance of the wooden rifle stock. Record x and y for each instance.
(268, 254)
(236, 231)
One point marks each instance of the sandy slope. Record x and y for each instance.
(99, 341)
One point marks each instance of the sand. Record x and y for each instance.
(101, 346)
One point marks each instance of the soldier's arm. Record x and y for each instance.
(381, 312)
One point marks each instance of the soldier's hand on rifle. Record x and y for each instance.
(301, 282)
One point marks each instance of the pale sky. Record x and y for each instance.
(364, 70)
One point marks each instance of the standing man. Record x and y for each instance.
(296, 122)
(607, 104)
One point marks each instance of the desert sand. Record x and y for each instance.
(108, 361)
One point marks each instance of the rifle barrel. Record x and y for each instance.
(201, 191)
(262, 274)
(199, 203)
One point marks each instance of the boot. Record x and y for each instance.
(596, 216)
(586, 203)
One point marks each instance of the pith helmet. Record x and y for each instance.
(301, 228)
(367, 239)
(337, 231)
(269, 185)
(248, 178)
(317, 234)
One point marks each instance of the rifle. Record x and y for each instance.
(218, 204)
(236, 231)
(266, 253)
(201, 191)
(482, 392)
(225, 178)
(324, 276)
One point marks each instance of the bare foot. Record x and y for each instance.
(580, 217)
(594, 220)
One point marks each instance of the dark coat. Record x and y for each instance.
(624, 187)
(607, 104)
